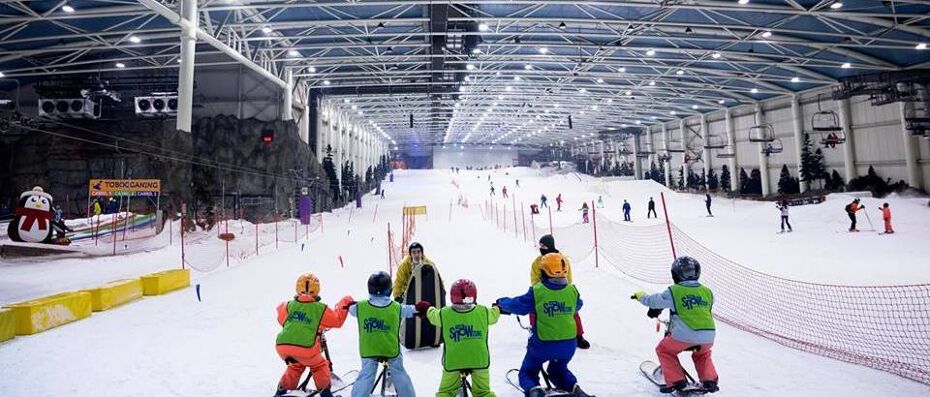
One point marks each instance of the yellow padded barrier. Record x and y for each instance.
(419, 210)
(51, 311)
(166, 281)
(7, 325)
(115, 293)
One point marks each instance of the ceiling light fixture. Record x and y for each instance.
(837, 5)
(716, 55)
(767, 34)
(795, 79)
(921, 46)
(722, 101)
(312, 69)
(846, 65)
(543, 50)
(135, 39)
(120, 65)
(266, 30)
(67, 8)
(292, 53)
(600, 80)
(326, 82)
(743, 2)
(651, 52)
(680, 72)
(562, 25)
(528, 67)
(754, 91)
(621, 70)
(652, 83)
(483, 27)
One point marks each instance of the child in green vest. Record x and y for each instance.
(691, 325)
(297, 343)
(379, 336)
(555, 301)
(465, 340)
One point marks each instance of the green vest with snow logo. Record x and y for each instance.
(378, 330)
(693, 306)
(302, 323)
(465, 338)
(555, 312)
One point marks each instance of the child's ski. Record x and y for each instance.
(653, 373)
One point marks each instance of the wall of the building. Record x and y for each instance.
(349, 136)
(445, 158)
(876, 131)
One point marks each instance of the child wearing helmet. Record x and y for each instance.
(465, 327)
(547, 246)
(297, 344)
(379, 320)
(691, 325)
(554, 300)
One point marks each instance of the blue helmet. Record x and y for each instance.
(685, 268)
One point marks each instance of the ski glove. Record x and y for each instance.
(498, 306)
(422, 307)
(638, 295)
(653, 313)
(399, 299)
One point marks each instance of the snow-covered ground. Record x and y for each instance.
(175, 345)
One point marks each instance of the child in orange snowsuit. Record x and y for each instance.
(298, 343)
(886, 216)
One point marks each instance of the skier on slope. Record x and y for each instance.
(379, 321)
(547, 246)
(652, 209)
(691, 325)
(465, 327)
(626, 211)
(886, 216)
(707, 202)
(542, 201)
(851, 210)
(504, 191)
(600, 201)
(552, 336)
(584, 212)
(298, 342)
(558, 202)
(783, 209)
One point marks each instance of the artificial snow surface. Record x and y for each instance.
(174, 345)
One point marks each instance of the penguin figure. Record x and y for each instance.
(33, 220)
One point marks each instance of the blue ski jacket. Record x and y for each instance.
(526, 304)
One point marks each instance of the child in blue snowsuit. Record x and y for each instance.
(552, 336)
(379, 289)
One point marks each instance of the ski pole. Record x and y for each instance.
(870, 220)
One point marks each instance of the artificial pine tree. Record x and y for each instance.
(725, 179)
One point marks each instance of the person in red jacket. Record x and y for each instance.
(298, 344)
(886, 216)
(558, 202)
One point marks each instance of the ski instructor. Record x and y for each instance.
(547, 246)
(418, 279)
(415, 257)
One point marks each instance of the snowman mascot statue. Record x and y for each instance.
(33, 220)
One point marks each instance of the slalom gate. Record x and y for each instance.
(882, 327)
(397, 250)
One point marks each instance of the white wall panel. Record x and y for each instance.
(445, 158)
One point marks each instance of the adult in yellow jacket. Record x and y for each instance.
(547, 246)
(415, 256)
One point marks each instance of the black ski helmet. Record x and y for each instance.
(685, 268)
(415, 245)
(379, 284)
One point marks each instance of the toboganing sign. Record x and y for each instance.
(125, 187)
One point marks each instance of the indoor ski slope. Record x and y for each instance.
(175, 345)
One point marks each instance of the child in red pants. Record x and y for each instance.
(298, 342)
(691, 326)
(886, 216)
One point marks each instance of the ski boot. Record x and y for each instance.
(537, 391)
(582, 343)
(577, 392)
(675, 387)
(327, 392)
(281, 391)
(710, 386)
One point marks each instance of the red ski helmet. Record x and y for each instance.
(463, 291)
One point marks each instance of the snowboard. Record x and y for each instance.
(653, 373)
(512, 379)
(424, 285)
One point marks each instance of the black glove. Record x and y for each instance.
(653, 313)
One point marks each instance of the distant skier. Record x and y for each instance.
(552, 337)
(492, 190)
(584, 212)
(851, 210)
(534, 208)
(518, 183)
(379, 322)
(652, 209)
(783, 207)
(691, 325)
(547, 246)
(504, 191)
(626, 211)
(465, 327)
(97, 208)
(4, 210)
(558, 202)
(707, 202)
(382, 193)
(542, 201)
(886, 216)
(298, 343)
(600, 201)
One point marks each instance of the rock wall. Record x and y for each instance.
(221, 151)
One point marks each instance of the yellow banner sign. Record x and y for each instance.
(125, 187)
(420, 210)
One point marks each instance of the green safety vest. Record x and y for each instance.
(555, 312)
(302, 323)
(465, 338)
(379, 330)
(693, 306)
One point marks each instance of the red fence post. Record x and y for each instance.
(505, 217)
(550, 218)
(523, 219)
(226, 221)
(276, 230)
(113, 231)
(390, 252)
(514, 215)
(597, 260)
(182, 235)
(668, 225)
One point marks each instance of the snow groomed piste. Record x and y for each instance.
(183, 335)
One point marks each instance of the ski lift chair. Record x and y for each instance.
(773, 147)
(675, 147)
(645, 152)
(726, 154)
(715, 142)
(762, 133)
(827, 123)
(663, 157)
